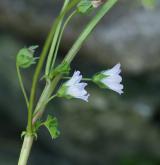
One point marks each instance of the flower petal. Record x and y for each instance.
(115, 70)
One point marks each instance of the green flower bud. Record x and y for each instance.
(84, 6)
(25, 57)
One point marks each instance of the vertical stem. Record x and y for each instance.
(60, 36)
(25, 151)
(54, 41)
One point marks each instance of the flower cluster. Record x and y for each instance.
(74, 88)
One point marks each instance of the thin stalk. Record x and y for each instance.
(51, 98)
(25, 151)
(60, 36)
(54, 41)
(22, 85)
(84, 79)
(83, 36)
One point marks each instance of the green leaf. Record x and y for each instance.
(37, 125)
(84, 6)
(52, 125)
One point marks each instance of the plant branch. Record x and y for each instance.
(60, 36)
(91, 25)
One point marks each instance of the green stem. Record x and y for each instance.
(84, 79)
(37, 74)
(77, 45)
(47, 92)
(22, 85)
(55, 38)
(25, 151)
(60, 36)
(51, 98)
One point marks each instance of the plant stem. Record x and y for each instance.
(22, 85)
(47, 92)
(25, 151)
(60, 36)
(91, 25)
(84, 79)
(54, 41)
(36, 77)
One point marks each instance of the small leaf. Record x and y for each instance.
(37, 125)
(51, 124)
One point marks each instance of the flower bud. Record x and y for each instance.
(25, 57)
(96, 3)
(84, 6)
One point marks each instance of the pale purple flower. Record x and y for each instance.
(73, 88)
(110, 79)
(113, 79)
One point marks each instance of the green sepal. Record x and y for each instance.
(62, 92)
(25, 57)
(63, 68)
(84, 6)
(52, 125)
(97, 80)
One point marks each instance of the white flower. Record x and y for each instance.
(110, 78)
(73, 88)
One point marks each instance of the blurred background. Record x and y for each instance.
(110, 129)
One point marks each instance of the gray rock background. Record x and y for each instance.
(110, 129)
